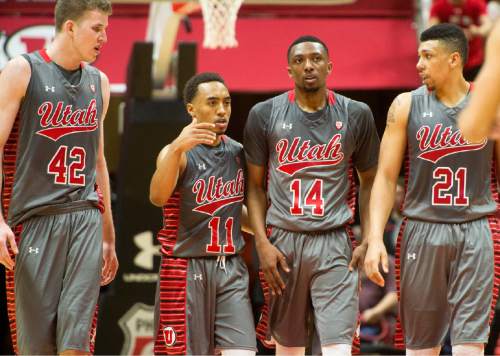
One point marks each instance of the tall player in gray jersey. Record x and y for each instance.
(301, 148)
(202, 303)
(450, 231)
(52, 107)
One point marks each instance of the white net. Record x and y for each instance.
(219, 17)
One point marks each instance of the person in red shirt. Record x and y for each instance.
(472, 17)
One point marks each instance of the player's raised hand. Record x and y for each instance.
(194, 134)
(375, 255)
(495, 130)
(270, 257)
(7, 238)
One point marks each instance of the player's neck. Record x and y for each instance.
(311, 101)
(453, 92)
(63, 54)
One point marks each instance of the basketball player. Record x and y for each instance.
(447, 259)
(202, 304)
(51, 110)
(301, 147)
(481, 117)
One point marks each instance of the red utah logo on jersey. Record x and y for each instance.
(217, 194)
(57, 121)
(298, 156)
(440, 142)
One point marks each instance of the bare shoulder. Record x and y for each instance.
(16, 74)
(104, 82)
(399, 109)
(104, 78)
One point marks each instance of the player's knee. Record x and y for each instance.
(290, 351)
(336, 350)
(468, 350)
(424, 352)
(237, 352)
(74, 352)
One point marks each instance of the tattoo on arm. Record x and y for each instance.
(391, 117)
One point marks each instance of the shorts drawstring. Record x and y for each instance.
(221, 262)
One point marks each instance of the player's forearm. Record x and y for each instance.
(381, 203)
(387, 304)
(477, 119)
(2, 219)
(257, 206)
(165, 177)
(365, 189)
(104, 186)
(245, 220)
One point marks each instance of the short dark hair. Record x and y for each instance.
(74, 9)
(305, 38)
(191, 88)
(452, 35)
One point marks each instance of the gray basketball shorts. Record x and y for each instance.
(447, 276)
(319, 287)
(57, 281)
(202, 306)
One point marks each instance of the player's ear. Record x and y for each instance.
(455, 59)
(330, 66)
(190, 109)
(289, 70)
(69, 27)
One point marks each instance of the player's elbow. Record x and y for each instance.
(469, 132)
(157, 197)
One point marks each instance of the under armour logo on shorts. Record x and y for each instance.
(33, 250)
(427, 114)
(197, 277)
(169, 336)
(201, 166)
(287, 126)
(52, 89)
(412, 256)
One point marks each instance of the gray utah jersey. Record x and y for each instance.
(207, 203)
(309, 156)
(52, 150)
(449, 179)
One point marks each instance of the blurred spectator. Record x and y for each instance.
(378, 309)
(472, 16)
(494, 10)
(392, 228)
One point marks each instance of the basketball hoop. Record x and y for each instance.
(219, 17)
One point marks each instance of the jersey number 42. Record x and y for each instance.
(67, 166)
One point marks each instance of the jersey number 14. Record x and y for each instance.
(313, 198)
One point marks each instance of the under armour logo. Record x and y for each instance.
(33, 250)
(198, 277)
(287, 126)
(427, 114)
(147, 250)
(412, 256)
(201, 166)
(52, 89)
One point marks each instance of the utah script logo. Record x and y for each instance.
(440, 142)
